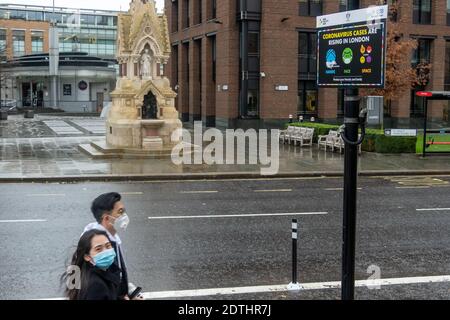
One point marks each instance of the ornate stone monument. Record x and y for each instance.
(143, 115)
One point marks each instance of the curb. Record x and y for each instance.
(216, 176)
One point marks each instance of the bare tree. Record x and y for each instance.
(401, 76)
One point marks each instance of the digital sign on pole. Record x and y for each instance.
(352, 48)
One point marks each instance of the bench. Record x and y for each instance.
(328, 140)
(285, 134)
(339, 144)
(304, 136)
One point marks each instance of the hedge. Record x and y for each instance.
(375, 140)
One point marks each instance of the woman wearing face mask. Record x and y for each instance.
(100, 276)
(110, 215)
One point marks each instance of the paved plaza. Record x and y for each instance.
(48, 147)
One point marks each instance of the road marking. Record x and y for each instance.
(22, 221)
(417, 181)
(434, 209)
(232, 180)
(338, 189)
(276, 190)
(198, 192)
(132, 193)
(284, 288)
(47, 195)
(421, 187)
(239, 215)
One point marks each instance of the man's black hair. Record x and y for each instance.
(104, 203)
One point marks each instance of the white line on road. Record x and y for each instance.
(276, 190)
(239, 215)
(338, 189)
(420, 187)
(132, 193)
(434, 209)
(22, 221)
(198, 192)
(47, 195)
(284, 288)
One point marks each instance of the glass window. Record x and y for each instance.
(3, 42)
(448, 12)
(417, 104)
(310, 8)
(422, 11)
(303, 8)
(87, 19)
(447, 66)
(174, 16)
(35, 15)
(174, 61)
(307, 98)
(37, 41)
(58, 17)
(422, 54)
(307, 51)
(18, 14)
(18, 42)
(253, 42)
(214, 9)
(104, 21)
(341, 103)
(315, 8)
(254, 5)
(346, 5)
(214, 56)
(4, 14)
(252, 103)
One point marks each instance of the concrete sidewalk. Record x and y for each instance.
(58, 159)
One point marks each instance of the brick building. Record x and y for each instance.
(251, 63)
(84, 34)
(19, 37)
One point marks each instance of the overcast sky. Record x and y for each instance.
(84, 4)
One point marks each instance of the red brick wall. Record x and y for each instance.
(28, 26)
(279, 58)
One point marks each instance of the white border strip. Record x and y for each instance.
(353, 16)
(285, 288)
(238, 216)
(21, 221)
(434, 209)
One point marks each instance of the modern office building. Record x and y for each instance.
(252, 63)
(86, 37)
(84, 30)
(84, 82)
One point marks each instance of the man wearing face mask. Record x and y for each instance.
(109, 212)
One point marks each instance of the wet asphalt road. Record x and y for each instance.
(200, 253)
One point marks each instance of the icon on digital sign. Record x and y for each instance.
(363, 49)
(369, 59)
(369, 49)
(362, 60)
(347, 55)
(331, 59)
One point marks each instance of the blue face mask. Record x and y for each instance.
(104, 259)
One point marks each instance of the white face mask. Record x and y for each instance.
(121, 222)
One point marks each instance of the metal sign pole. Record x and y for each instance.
(352, 54)
(425, 128)
(351, 120)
